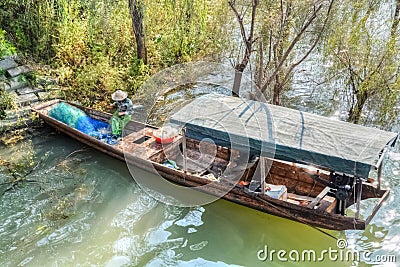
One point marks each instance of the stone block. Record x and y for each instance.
(26, 99)
(7, 63)
(15, 83)
(18, 71)
(47, 81)
(28, 90)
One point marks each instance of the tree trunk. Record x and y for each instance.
(276, 98)
(136, 10)
(260, 65)
(356, 111)
(247, 40)
(236, 83)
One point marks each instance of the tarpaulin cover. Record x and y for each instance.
(288, 134)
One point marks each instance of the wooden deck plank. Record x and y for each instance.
(300, 197)
(327, 204)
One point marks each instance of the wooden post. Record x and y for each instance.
(262, 174)
(183, 132)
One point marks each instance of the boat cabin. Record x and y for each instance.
(323, 163)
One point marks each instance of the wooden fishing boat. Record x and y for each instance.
(316, 194)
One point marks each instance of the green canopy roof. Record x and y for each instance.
(284, 133)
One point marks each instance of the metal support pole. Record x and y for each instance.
(380, 164)
(262, 174)
(379, 176)
(359, 193)
(183, 132)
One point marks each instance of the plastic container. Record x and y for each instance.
(164, 140)
(165, 135)
(276, 191)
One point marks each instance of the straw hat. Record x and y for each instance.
(119, 95)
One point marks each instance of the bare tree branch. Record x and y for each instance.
(247, 40)
(316, 41)
(290, 48)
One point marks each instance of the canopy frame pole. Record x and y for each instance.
(379, 177)
(380, 164)
(184, 151)
(359, 193)
(262, 174)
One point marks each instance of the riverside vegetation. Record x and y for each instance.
(94, 47)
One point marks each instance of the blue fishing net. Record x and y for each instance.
(92, 127)
(76, 118)
(66, 114)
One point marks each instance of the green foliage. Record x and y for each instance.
(91, 43)
(30, 25)
(6, 48)
(138, 74)
(186, 32)
(364, 54)
(6, 102)
(181, 31)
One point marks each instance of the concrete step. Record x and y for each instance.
(7, 125)
(28, 90)
(7, 63)
(26, 99)
(16, 83)
(18, 113)
(18, 71)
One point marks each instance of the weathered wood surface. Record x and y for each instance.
(318, 213)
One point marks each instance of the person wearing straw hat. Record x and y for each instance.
(123, 113)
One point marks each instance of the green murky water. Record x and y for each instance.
(82, 208)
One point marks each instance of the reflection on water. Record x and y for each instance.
(83, 208)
